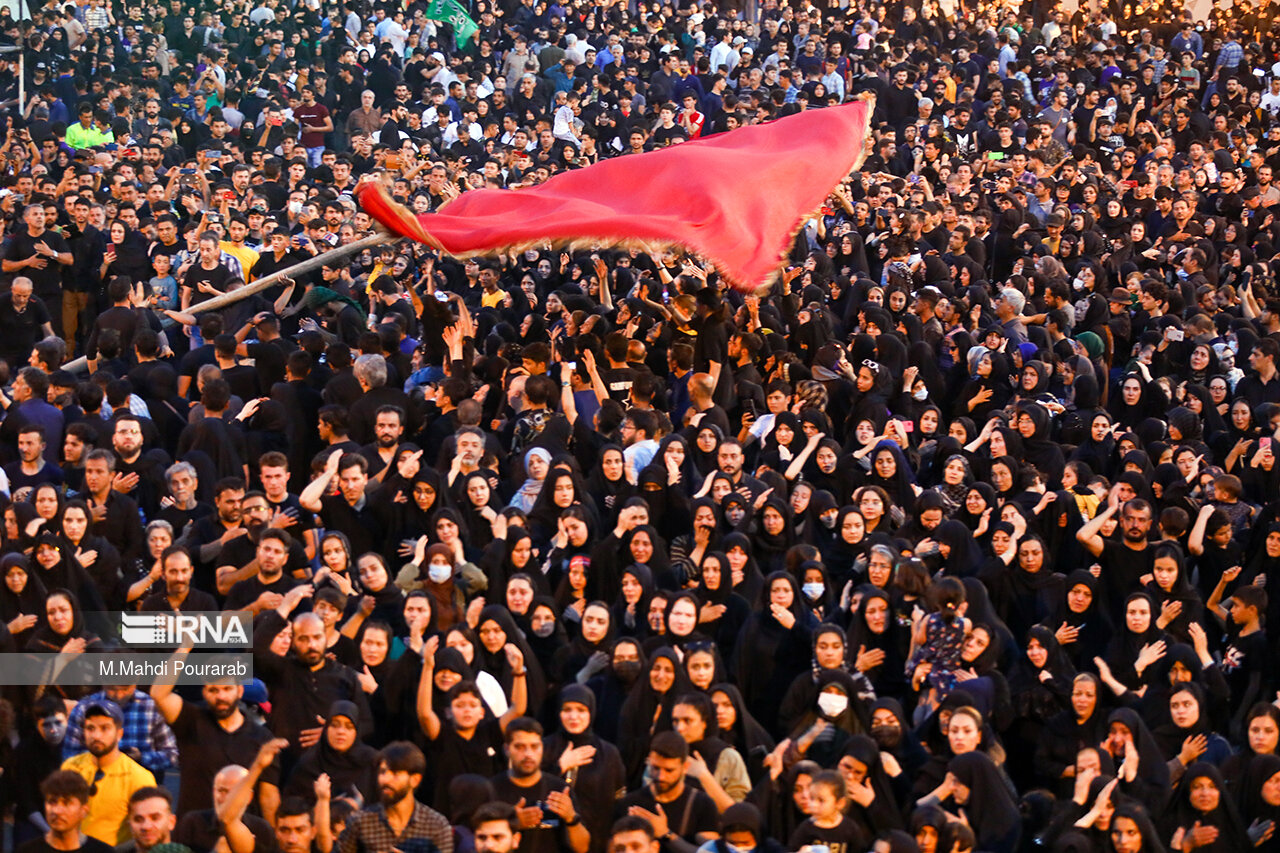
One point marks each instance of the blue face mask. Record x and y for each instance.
(813, 590)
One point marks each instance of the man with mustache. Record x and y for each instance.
(397, 819)
(210, 736)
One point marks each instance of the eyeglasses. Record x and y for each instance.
(97, 777)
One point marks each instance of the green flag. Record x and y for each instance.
(452, 13)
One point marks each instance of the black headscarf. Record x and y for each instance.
(350, 771)
(992, 812)
(1231, 830)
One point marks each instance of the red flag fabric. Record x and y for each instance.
(736, 198)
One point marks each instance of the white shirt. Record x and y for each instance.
(563, 127)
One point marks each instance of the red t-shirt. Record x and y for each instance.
(312, 115)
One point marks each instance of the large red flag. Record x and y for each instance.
(735, 198)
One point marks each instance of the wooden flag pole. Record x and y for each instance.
(263, 283)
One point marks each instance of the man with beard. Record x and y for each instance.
(66, 803)
(178, 594)
(147, 738)
(211, 736)
(39, 756)
(665, 801)
(398, 819)
(206, 538)
(258, 569)
(112, 776)
(1127, 560)
(388, 427)
(305, 682)
(138, 474)
(544, 806)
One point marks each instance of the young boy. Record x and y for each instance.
(330, 604)
(468, 739)
(163, 285)
(1245, 644)
(827, 824)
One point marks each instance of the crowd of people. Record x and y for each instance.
(962, 534)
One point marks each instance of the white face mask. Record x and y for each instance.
(439, 574)
(832, 704)
(921, 395)
(813, 590)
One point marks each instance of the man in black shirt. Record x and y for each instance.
(66, 805)
(1123, 563)
(24, 319)
(676, 811)
(178, 594)
(209, 535)
(205, 277)
(266, 585)
(210, 737)
(141, 475)
(348, 511)
(306, 682)
(549, 820)
(115, 515)
(39, 255)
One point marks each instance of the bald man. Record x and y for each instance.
(304, 682)
(201, 830)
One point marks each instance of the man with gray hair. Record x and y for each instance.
(1009, 307)
(180, 507)
(202, 830)
(380, 389)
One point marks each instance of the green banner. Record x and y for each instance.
(452, 13)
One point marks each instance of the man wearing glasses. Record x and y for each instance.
(112, 775)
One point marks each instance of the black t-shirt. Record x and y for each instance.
(686, 817)
(39, 845)
(246, 592)
(206, 747)
(269, 360)
(191, 364)
(617, 381)
(552, 835)
(452, 755)
(292, 506)
(160, 248)
(217, 277)
(847, 837)
(1243, 657)
(180, 518)
(202, 830)
(1121, 569)
(21, 245)
(243, 550)
(19, 330)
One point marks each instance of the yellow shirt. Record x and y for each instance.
(108, 817)
(493, 300)
(246, 256)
